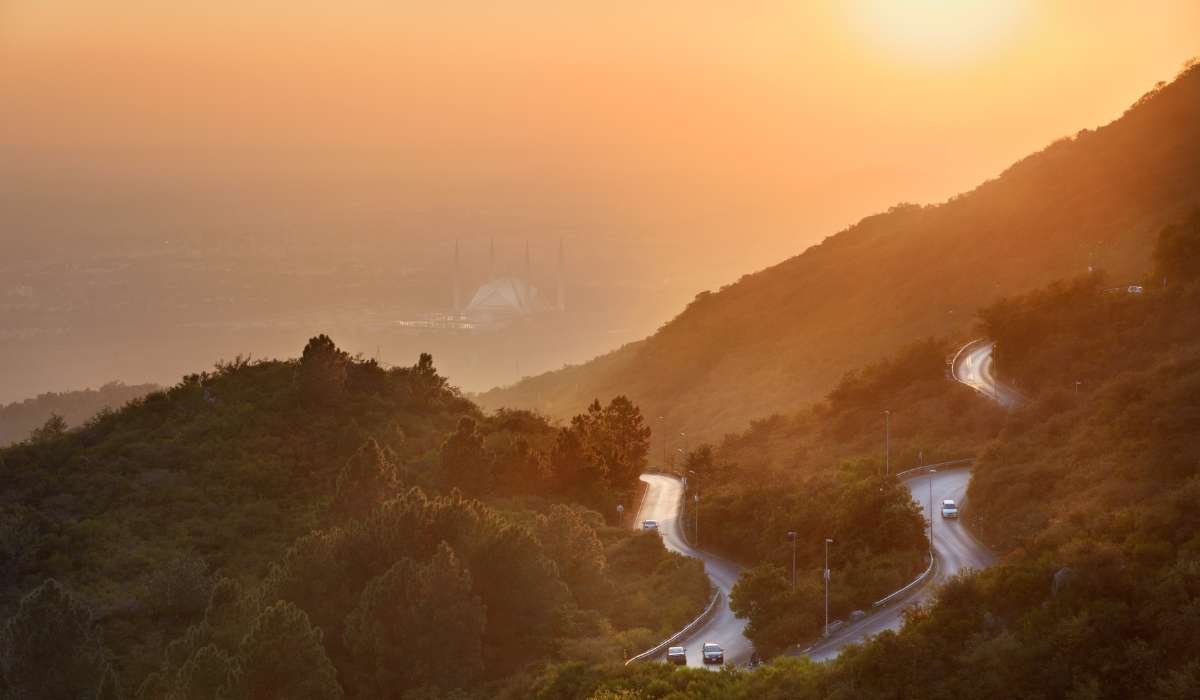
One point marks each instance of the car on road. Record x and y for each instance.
(649, 524)
(713, 653)
(677, 656)
(949, 509)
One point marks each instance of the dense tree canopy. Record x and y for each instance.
(298, 527)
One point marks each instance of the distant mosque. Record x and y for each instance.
(502, 299)
(498, 302)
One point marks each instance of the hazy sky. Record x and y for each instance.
(756, 127)
(675, 144)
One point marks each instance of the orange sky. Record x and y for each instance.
(756, 131)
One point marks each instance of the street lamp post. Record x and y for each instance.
(827, 543)
(792, 535)
(931, 473)
(696, 505)
(995, 373)
(663, 431)
(887, 443)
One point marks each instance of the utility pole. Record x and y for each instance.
(931, 473)
(696, 504)
(663, 431)
(827, 543)
(792, 535)
(887, 442)
(995, 373)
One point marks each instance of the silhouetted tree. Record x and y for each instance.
(282, 657)
(369, 476)
(778, 616)
(425, 383)
(180, 588)
(417, 625)
(51, 649)
(53, 428)
(1177, 253)
(465, 463)
(209, 673)
(574, 547)
(322, 370)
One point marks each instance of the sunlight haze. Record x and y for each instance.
(674, 146)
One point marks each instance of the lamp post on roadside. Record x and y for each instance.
(792, 536)
(887, 442)
(995, 373)
(663, 431)
(696, 506)
(827, 543)
(931, 473)
(1077, 383)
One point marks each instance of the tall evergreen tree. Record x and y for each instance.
(51, 649)
(282, 657)
(466, 464)
(322, 370)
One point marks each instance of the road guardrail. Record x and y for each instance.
(915, 582)
(939, 465)
(661, 646)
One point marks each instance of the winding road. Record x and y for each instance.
(975, 366)
(663, 495)
(955, 548)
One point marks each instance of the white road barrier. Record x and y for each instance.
(662, 646)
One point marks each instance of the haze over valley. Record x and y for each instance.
(541, 351)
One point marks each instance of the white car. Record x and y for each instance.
(649, 524)
(713, 653)
(677, 656)
(949, 509)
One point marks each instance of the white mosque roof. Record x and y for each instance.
(504, 296)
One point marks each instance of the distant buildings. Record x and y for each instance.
(497, 303)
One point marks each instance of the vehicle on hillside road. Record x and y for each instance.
(650, 525)
(713, 653)
(949, 509)
(677, 656)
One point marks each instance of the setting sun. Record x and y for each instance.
(462, 350)
(938, 31)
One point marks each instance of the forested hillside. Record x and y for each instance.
(820, 472)
(1091, 492)
(782, 337)
(320, 528)
(20, 418)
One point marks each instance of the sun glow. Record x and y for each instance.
(938, 31)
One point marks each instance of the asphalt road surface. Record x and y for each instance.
(975, 367)
(955, 550)
(661, 503)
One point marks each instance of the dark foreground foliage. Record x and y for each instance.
(314, 529)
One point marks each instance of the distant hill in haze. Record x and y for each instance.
(19, 418)
(783, 336)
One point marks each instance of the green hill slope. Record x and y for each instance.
(252, 528)
(783, 336)
(20, 418)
